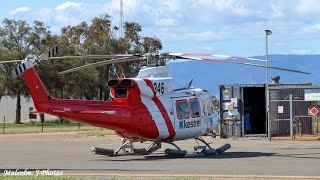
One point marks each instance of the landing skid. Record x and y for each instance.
(126, 148)
(206, 150)
(211, 150)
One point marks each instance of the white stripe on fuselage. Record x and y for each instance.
(154, 111)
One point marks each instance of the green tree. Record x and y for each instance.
(69, 44)
(18, 39)
(137, 44)
(2, 82)
(98, 41)
(151, 45)
(99, 37)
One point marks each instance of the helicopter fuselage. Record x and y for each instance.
(142, 108)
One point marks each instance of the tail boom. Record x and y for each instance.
(115, 115)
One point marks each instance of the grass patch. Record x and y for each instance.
(54, 126)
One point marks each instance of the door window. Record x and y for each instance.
(182, 109)
(195, 107)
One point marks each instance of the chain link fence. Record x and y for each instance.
(290, 113)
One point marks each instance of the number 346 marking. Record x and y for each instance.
(159, 88)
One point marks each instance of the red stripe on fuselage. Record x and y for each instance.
(163, 111)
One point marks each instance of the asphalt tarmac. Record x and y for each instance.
(69, 153)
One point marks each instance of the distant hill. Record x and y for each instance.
(210, 75)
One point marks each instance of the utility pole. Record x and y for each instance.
(268, 32)
(121, 20)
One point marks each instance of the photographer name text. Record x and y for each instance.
(26, 172)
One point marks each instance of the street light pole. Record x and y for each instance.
(268, 32)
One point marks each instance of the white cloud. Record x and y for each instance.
(20, 10)
(300, 51)
(204, 36)
(202, 21)
(163, 13)
(316, 27)
(67, 5)
(225, 10)
(277, 9)
(308, 7)
(130, 7)
(166, 22)
(312, 29)
(207, 48)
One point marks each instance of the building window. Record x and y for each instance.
(195, 108)
(182, 109)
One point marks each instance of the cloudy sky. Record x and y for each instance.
(234, 27)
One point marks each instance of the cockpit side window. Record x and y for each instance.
(182, 109)
(195, 107)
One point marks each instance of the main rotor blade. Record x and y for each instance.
(242, 63)
(97, 56)
(11, 61)
(217, 55)
(109, 61)
(47, 55)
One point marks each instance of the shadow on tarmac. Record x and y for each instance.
(162, 156)
(303, 156)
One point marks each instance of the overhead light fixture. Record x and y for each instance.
(268, 32)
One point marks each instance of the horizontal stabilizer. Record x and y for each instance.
(97, 112)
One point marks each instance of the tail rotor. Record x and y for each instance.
(31, 61)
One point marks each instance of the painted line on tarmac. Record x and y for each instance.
(189, 175)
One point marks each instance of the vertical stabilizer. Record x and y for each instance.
(36, 88)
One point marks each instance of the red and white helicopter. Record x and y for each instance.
(149, 107)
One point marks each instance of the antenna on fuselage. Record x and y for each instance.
(190, 83)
